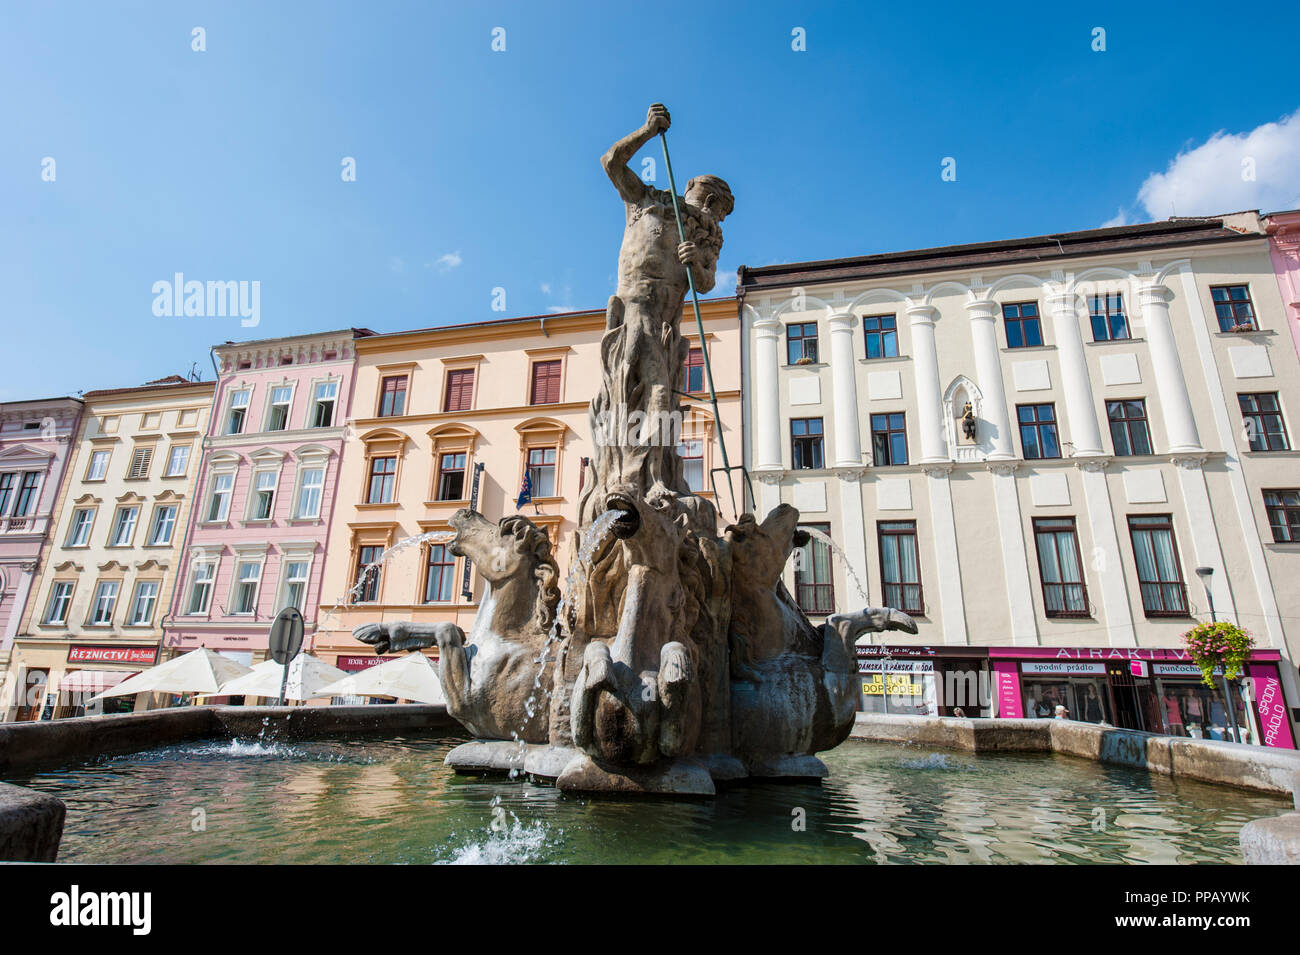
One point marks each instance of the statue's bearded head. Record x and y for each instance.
(712, 195)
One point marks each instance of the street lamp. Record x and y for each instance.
(1205, 573)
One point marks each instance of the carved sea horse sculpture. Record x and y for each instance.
(494, 683)
(794, 687)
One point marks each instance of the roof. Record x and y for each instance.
(354, 332)
(1142, 237)
(158, 384)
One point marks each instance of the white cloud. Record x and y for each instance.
(559, 309)
(447, 262)
(1120, 218)
(724, 282)
(396, 264)
(546, 288)
(1230, 172)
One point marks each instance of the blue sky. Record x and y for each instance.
(478, 169)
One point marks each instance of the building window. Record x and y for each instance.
(366, 588)
(695, 371)
(1022, 324)
(264, 485)
(692, 455)
(546, 382)
(1109, 323)
(814, 586)
(322, 405)
(238, 411)
(309, 493)
(146, 595)
(888, 439)
(248, 577)
(1262, 416)
(1160, 576)
(1060, 566)
(164, 522)
(219, 504)
(1233, 308)
(277, 418)
(141, 459)
(451, 477)
(79, 533)
(900, 570)
(1038, 431)
(6, 490)
(124, 526)
(295, 584)
(541, 471)
(178, 461)
(1128, 426)
(98, 465)
(801, 343)
(60, 601)
(25, 502)
(806, 443)
(383, 473)
(201, 587)
(1283, 508)
(101, 609)
(460, 390)
(439, 575)
(881, 332)
(392, 396)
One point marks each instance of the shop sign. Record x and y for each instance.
(1274, 726)
(1009, 705)
(1179, 669)
(1139, 668)
(895, 666)
(355, 663)
(1064, 668)
(875, 650)
(893, 684)
(134, 655)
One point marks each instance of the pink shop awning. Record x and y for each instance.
(80, 681)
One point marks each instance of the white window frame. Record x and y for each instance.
(102, 475)
(213, 491)
(210, 581)
(95, 600)
(67, 605)
(271, 405)
(156, 518)
(133, 615)
(231, 408)
(185, 446)
(73, 527)
(316, 386)
(303, 468)
(286, 581)
(115, 532)
(237, 585)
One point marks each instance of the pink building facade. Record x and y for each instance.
(35, 441)
(259, 529)
(1284, 242)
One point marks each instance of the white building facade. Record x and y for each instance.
(1054, 452)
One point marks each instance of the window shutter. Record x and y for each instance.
(460, 389)
(141, 458)
(546, 382)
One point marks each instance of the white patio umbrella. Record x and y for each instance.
(413, 677)
(199, 671)
(306, 676)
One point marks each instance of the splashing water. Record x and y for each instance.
(596, 535)
(370, 572)
(839, 552)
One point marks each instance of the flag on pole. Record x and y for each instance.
(525, 491)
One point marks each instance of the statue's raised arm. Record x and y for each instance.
(628, 183)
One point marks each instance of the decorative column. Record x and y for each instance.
(1015, 560)
(988, 375)
(847, 449)
(925, 367)
(1080, 410)
(767, 395)
(1205, 534)
(1104, 572)
(952, 605)
(1175, 402)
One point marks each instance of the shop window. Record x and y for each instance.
(460, 390)
(814, 584)
(1109, 320)
(881, 333)
(1129, 430)
(1283, 508)
(806, 443)
(903, 687)
(1022, 324)
(451, 477)
(801, 343)
(392, 396)
(1233, 308)
(1160, 576)
(888, 439)
(1060, 567)
(1262, 417)
(1038, 437)
(1085, 697)
(900, 568)
(546, 382)
(439, 575)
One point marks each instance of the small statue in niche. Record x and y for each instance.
(968, 421)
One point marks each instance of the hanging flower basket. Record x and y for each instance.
(1215, 645)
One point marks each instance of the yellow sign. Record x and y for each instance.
(900, 684)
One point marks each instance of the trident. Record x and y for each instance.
(726, 468)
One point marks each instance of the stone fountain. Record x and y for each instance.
(675, 658)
